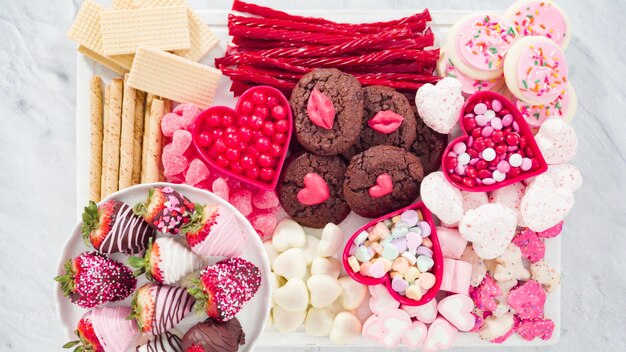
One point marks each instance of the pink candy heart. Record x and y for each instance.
(383, 186)
(457, 309)
(196, 173)
(315, 190)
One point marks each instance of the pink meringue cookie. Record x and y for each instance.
(442, 198)
(226, 237)
(557, 141)
(544, 204)
(490, 227)
(113, 330)
(565, 175)
(472, 200)
(511, 197)
(440, 105)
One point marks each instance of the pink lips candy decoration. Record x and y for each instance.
(250, 142)
(381, 276)
(385, 122)
(497, 148)
(321, 110)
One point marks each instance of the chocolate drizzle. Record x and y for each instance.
(129, 233)
(172, 304)
(166, 342)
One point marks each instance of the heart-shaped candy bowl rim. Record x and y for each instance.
(524, 131)
(436, 270)
(198, 125)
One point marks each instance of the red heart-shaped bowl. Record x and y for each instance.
(436, 270)
(494, 151)
(249, 143)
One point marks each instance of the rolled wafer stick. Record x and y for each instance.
(155, 140)
(113, 140)
(127, 138)
(105, 139)
(140, 100)
(96, 112)
(146, 127)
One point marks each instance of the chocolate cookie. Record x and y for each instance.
(382, 179)
(428, 146)
(376, 129)
(344, 91)
(311, 190)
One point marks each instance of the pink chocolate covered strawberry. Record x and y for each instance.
(92, 279)
(166, 261)
(214, 231)
(112, 227)
(165, 210)
(157, 308)
(104, 330)
(223, 288)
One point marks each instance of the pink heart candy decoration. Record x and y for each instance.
(383, 186)
(457, 309)
(173, 160)
(385, 121)
(416, 335)
(196, 173)
(315, 190)
(441, 335)
(320, 110)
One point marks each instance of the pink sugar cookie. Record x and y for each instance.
(551, 232)
(530, 244)
(540, 17)
(528, 300)
(530, 329)
(484, 295)
(564, 107)
(469, 85)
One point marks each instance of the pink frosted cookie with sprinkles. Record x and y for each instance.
(478, 43)
(469, 86)
(540, 17)
(535, 70)
(563, 107)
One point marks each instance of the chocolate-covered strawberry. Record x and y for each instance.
(87, 339)
(214, 231)
(166, 261)
(165, 210)
(223, 288)
(157, 308)
(104, 330)
(92, 279)
(113, 227)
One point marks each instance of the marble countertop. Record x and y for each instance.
(38, 163)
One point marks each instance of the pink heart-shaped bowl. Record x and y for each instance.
(250, 142)
(494, 151)
(436, 270)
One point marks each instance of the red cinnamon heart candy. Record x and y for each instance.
(497, 148)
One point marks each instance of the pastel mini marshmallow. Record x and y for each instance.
(442, 198)
(472, 200)
(319, 322)
(426, 313)
(457, 309)
(557, 141)
(352, 293)
(548, 277)
(544, 204)
(456, 276)
(346, 328)
(441, 335)
(288, 234)
(510, 265)
(415, 336)
(326, 266)
(293, 296)
(440, 105)
(490, 227)
(290, 264)
(323, 290)
(286, 321)
(479, 270)
(511, 197)
(331, 240)
(451, 242)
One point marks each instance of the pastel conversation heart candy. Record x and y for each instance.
(439, 105)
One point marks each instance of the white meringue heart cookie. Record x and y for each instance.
(331, 240)
(293, 296)
(319, 322)
(288, 234)
(324, 290)
(442, 198)
(557, 141)
(326, 266)
(352, 294)
(565, 176)
(472, 200)
(490, 228)
(287, 321)
(440, 105)
(346, 328)
(544, 204)
(290, 263)
(511, 197)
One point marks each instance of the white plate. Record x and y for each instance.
(253, 312)
(217, 20)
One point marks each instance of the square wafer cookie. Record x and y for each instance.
(173, 77)
(165, 28)
(86, 31)
(124, 5)
(201, 36)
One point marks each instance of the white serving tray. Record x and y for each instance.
(217, 20)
